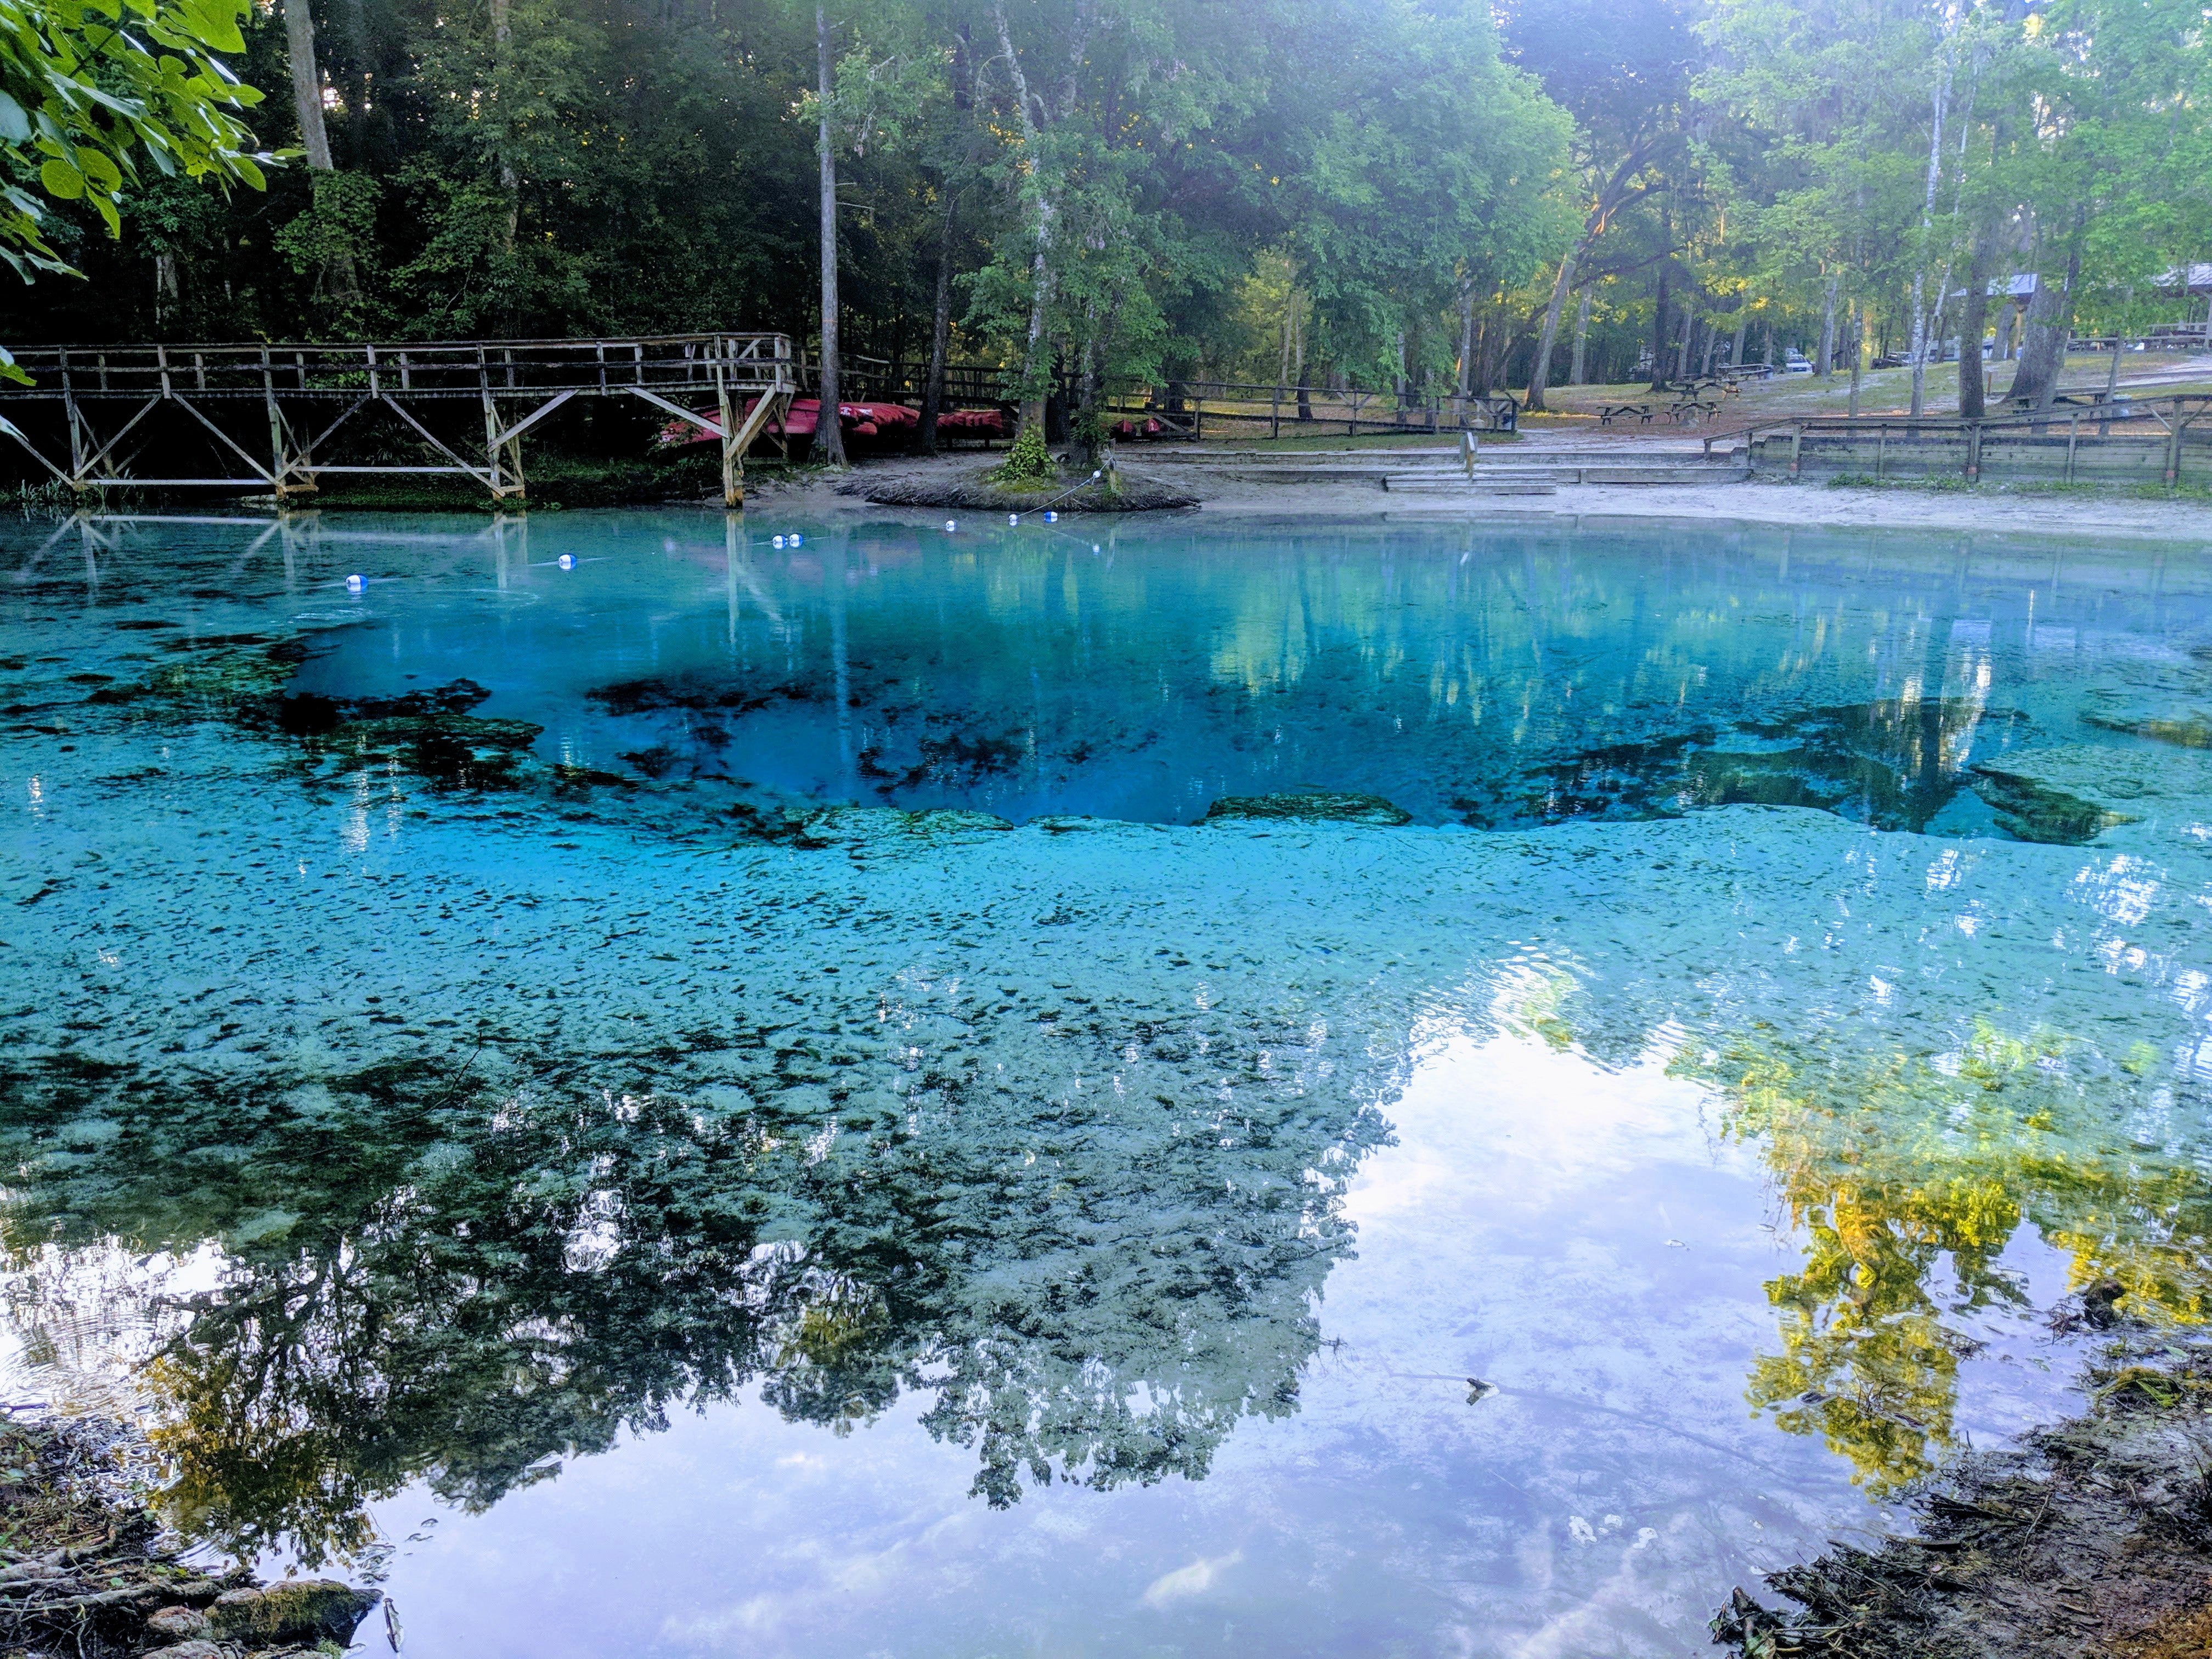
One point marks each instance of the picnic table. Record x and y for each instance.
(1608, 413)
(1688, 411)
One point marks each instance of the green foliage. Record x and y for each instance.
(1028, 461)
(1135, 190)
(89, 89)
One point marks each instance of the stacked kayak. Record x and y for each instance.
(883, 425)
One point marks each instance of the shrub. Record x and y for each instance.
(1029, 461)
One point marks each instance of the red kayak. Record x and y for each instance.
(884, 422)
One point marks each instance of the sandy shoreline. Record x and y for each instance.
(1805, 502)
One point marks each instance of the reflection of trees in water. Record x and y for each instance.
(1510, 685)
(443, 1274)
(1906, 1175)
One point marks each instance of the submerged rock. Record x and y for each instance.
(2030, 810)
(310, 1609)
(1315, 806)
(2184, 727)
(178, 1624)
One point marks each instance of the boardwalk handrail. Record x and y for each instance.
(752, 362)
(2172, 414)
(307, 391)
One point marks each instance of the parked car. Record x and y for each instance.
(1797, 363)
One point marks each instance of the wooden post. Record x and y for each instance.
(2073, 437)
(733, 482)
(68, 408)
(1973, 452)
(491, 423)
(1275, 412)
(1796, 447)
(2174, 448)
(279, 467)
(1881, 449)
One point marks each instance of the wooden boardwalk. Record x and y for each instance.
(278, 417)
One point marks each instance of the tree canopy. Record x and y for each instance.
(1085, 190)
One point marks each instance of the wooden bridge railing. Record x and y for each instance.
(308, 392)
(461, 368)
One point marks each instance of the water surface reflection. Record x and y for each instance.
(462, 1077)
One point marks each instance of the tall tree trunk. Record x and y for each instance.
(1581, 341)
(503, 40)
(314, 136)
(1041, 212)
(1661, 338)
(1540, 373)
(1927, 228)
(307, 84)
(1973, 320)
(1825, 362)
(1735, 346)
(357, 21)
(1858, 332)
(1682, 347)
(2043, 347)
(829, 428)
(1466, 382)
(940, 332)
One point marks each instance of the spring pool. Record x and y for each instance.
(1181, 1089)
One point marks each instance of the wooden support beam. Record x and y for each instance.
(488, 477)
(741, 442)
(15, 431)
(229, 442)
(676, 409)
(533, 417)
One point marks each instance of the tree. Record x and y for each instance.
(84, 101)
(1624, 75)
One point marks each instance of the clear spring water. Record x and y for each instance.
(657, 1094)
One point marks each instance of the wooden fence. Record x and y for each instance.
(2124, 440)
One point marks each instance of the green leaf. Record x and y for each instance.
(61, 181)
(99, 173)
(15, 121)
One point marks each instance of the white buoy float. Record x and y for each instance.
(567, 562)
(798, 540)
(776, 541)
(355, 583)
(1052, 518)
(950, 525)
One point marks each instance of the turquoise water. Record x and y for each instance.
(719, 1098)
